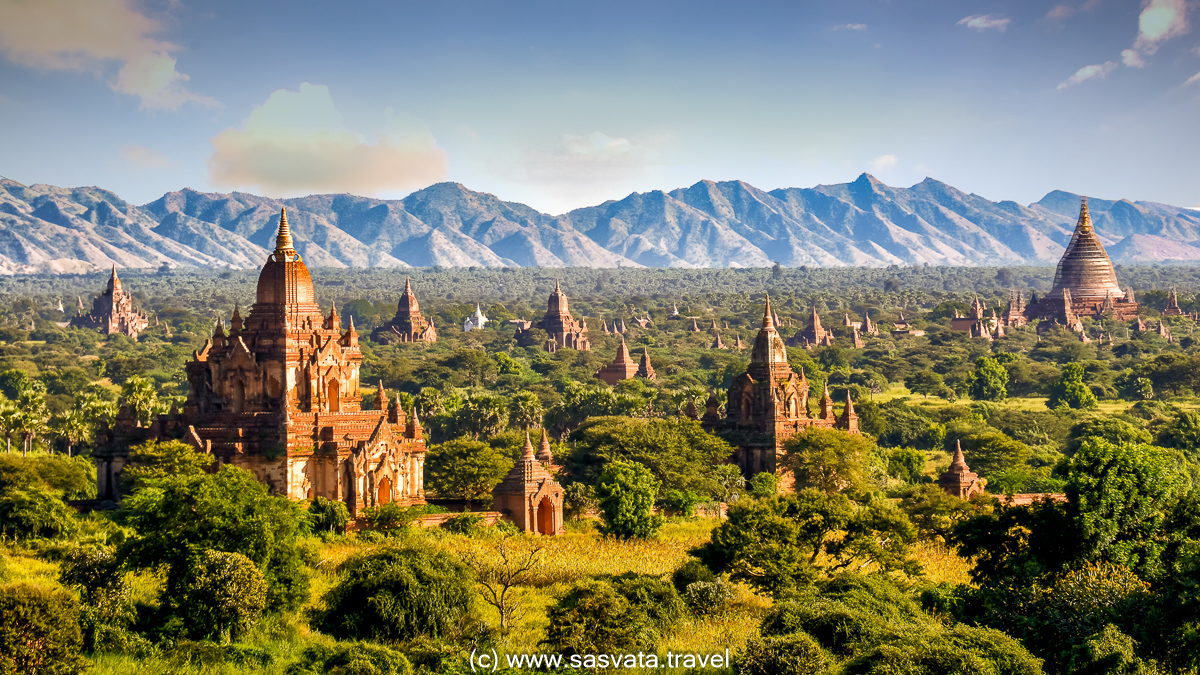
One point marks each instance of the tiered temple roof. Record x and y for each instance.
(408, 325)
(278, 395)
(562, 329)
(112, 311)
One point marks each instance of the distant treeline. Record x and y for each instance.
(453, 292)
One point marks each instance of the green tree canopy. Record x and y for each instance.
(1070, 390)
(177, 517)
(626, 492)
(829, 460)
(989, 380)
(679, 453)
(788, 541)
(465, 469)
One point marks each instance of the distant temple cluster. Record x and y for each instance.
(112, 312)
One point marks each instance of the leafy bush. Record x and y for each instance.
(796, 654)
(708, 597)
(465, 524)
(626, 492)
(358, 658)
(328, 515)
(223, 595)
(33, 512)
(39, 631)
(398, 593)
(391, 517)
(656, 597)
(96, 573)
(689, 573)
(578, 499)
(764, 484)
(202, 653)
(592, 618)
(959, 650)
(681, 502)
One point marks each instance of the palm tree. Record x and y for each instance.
(72, 427)
(525, 409)
(32, 414)
(138, 393)
(8, 421)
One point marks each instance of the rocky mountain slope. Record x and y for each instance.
(51, 229)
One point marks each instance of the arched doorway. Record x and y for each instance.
(239, 396)
(385, 491)
(334, 394)
(545, 516)
(348, 485)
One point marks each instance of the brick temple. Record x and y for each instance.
(408, 325)
(769, 403)
(278, 395)
(562, 329)
(112, 311)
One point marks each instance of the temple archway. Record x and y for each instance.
(334, 395)
(385, 491)
(545, 516)
(348, 485)
(239, 396)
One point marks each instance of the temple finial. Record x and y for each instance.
(768, 317)
(527, 451)
(1084, 226)
(283, 241)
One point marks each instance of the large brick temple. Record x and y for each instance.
(562, 329)
(1085, 284)
(278, 395)
(769, 403)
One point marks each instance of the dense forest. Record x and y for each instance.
(867, 566)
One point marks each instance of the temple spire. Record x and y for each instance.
(527, 451)
(283, 241)
(768, 317)
(1084, 226)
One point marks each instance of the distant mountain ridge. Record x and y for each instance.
(67, 230)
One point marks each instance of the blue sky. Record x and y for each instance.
(565, 104)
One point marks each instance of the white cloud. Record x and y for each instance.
(1160, 20)
(1132, 59)
(982, 22)
(296, 142)
(884, 162)
(1087, 73)
(1192, 80)
(1063, 12)
(142, 157)
(91, 36)
(850, 26)
(596, 145)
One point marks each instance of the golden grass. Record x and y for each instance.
(941, 563)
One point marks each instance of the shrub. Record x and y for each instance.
(39, 631)
(223, 596)
(689, 573)
(351, 659)
(764, 484)
(656, 597)
(960, 650)
(593, 618)
(391, 517)
(212, 654)
(34, 512)
(95, 572)
(708, 597)
(796, 654)
(398, 594)
(579, 498)
(626, 492)
(681, 502)
(1108, 652)
(466, 524)
(328, 515)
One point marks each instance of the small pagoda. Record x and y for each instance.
(622, 368)
(959, 481)
(529, 495)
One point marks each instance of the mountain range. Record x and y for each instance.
(72, 230)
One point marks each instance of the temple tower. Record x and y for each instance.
(112, 311)
(530, 496)
(408, 325)
(959, 481)
(562, 329)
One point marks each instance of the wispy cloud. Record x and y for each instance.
(1192, 80)
(1132, 59)
(1064, 11)
(142, 157)
(884, 162)
(91, 36)
(596, 145)
(296, 142)
(982, 22)
(851, 26)
(1088, 73)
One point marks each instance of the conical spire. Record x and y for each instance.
(407, 284)
(544, 454)
(283, 241)
(527, 451)
(622, 352)
(959, 463)
(768, 317)
(114, 283)
(1084, 225)
(381, 397)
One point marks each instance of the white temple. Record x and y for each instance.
(475, 322)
